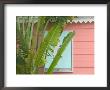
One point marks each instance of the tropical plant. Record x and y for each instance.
(56, 59)
(24, 31)
(34, 46)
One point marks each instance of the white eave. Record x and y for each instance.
(82, 19)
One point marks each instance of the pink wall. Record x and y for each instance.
(83, 51)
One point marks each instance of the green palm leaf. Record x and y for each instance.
(66, 40)
(44, 45)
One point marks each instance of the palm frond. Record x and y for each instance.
(44, 45)
(56, 59)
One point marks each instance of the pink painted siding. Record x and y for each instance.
(78, 45)
(84, 34)
(83, 47)
(83, 61)
(88, 70)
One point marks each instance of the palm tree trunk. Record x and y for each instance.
(39, 40)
